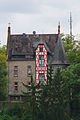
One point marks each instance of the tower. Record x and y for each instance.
(58, 29)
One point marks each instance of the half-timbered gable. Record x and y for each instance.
(41, 64)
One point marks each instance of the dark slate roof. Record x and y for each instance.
(24, 43)
(41, 42)
(59, 54)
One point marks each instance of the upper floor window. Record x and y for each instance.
(41, 60)
(29, 70)
(41, 78)
(16, 71)
(16, 86)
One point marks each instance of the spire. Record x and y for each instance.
(59, 57)
(58, 29)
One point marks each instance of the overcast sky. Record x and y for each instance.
(42, 16)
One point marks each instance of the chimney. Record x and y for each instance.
(58, 29)
(8, 38)
(9, 31)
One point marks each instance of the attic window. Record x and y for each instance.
(41, 49)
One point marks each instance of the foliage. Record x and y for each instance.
(75, 99)
(32, 98)
(59, 95)
(3, 73)
(72, 49)
(6, 117)
(15, 111)
(3, 50)
(49, 101)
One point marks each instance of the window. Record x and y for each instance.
(29, 70)
(41, 78)
(29, 57)
(16, 86)
(41, 49)
(29, 83)
(41, 60)
(29, 90)
(15, 71)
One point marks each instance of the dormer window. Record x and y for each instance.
(41, 49)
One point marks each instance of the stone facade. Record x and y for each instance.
(22, 77)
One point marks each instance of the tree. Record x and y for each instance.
(32, 98)
(72, 49)
(55, 97)
(13, 112)
(3, 73)
(60, 95)
(52, 101)
(6, 117)
(74, 74)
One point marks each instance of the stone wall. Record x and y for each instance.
(22, 77)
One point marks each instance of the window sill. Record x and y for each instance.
(15, 75)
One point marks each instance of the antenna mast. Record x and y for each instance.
(70, 24)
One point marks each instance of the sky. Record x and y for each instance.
(41, 16)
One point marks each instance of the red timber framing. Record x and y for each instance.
(41, 69)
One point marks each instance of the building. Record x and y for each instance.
(32, 53)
